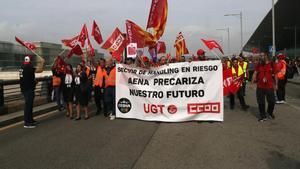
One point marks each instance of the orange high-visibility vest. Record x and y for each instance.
(87, 71)
(110, 80)
(56, 81)
(281, 69)
(98, 81)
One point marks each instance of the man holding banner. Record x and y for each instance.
(238, 73)
(110, 88)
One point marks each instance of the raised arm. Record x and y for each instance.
(40, 65)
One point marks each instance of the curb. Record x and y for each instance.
(21, 116)
(293, 82)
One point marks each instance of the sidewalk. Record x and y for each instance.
(9, 75)
(18, 116)
(295, 80)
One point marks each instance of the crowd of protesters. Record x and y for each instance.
(96, 79)
(76, 87)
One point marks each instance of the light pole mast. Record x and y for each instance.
(273, 30)
(241, 23)
(228, 37)
(241, 20)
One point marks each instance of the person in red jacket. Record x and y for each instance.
(263, 75)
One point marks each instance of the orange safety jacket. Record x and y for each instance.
(110, 80)
(281, 65)
(87, 71)
(100, 75)
(56, 81)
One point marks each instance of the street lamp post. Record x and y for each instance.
(228, 37)
(273, 29)
(241, 22)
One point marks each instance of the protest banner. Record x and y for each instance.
(174, 93)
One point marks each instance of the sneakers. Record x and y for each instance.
(262, 119)
(35, 122)
(112, 117)
(280, 102)
(29, 126)
(271, 116)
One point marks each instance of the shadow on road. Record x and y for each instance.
(277, 160)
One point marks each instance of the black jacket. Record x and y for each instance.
(27, 77)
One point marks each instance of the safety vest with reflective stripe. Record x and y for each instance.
(245, 67)
(98, 81)
(56, 81)
(281, 69)
(240, 71)
(110, 80)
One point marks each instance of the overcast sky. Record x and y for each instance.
(53, 20)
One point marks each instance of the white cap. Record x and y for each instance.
(27, 59)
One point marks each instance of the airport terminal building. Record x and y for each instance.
(12, 55)
(287, 25)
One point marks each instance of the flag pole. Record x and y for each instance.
(215, 54)
(36, 54)
(62, 52)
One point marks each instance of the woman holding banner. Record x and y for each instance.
(68, 90)
(81, 91)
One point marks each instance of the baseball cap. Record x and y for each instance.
(27, 59)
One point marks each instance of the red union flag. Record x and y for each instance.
(28, 45)
(115, 43)
(117, 56)
(135, 34)
(70, 42)
(90, 50)
(76, 50)
(158, 17)
(83, 35)
(211, 44)
(180, 46)
(230, 86)
(161, 47)
(96, 33)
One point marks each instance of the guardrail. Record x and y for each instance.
(10, 90)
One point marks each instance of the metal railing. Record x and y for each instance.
(10, 90)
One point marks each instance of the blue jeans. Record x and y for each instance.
(58, 95)
(110, 99)
(29, 97)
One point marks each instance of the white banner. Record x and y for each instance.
(172, 93)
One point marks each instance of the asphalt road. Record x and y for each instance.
(240, 142)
